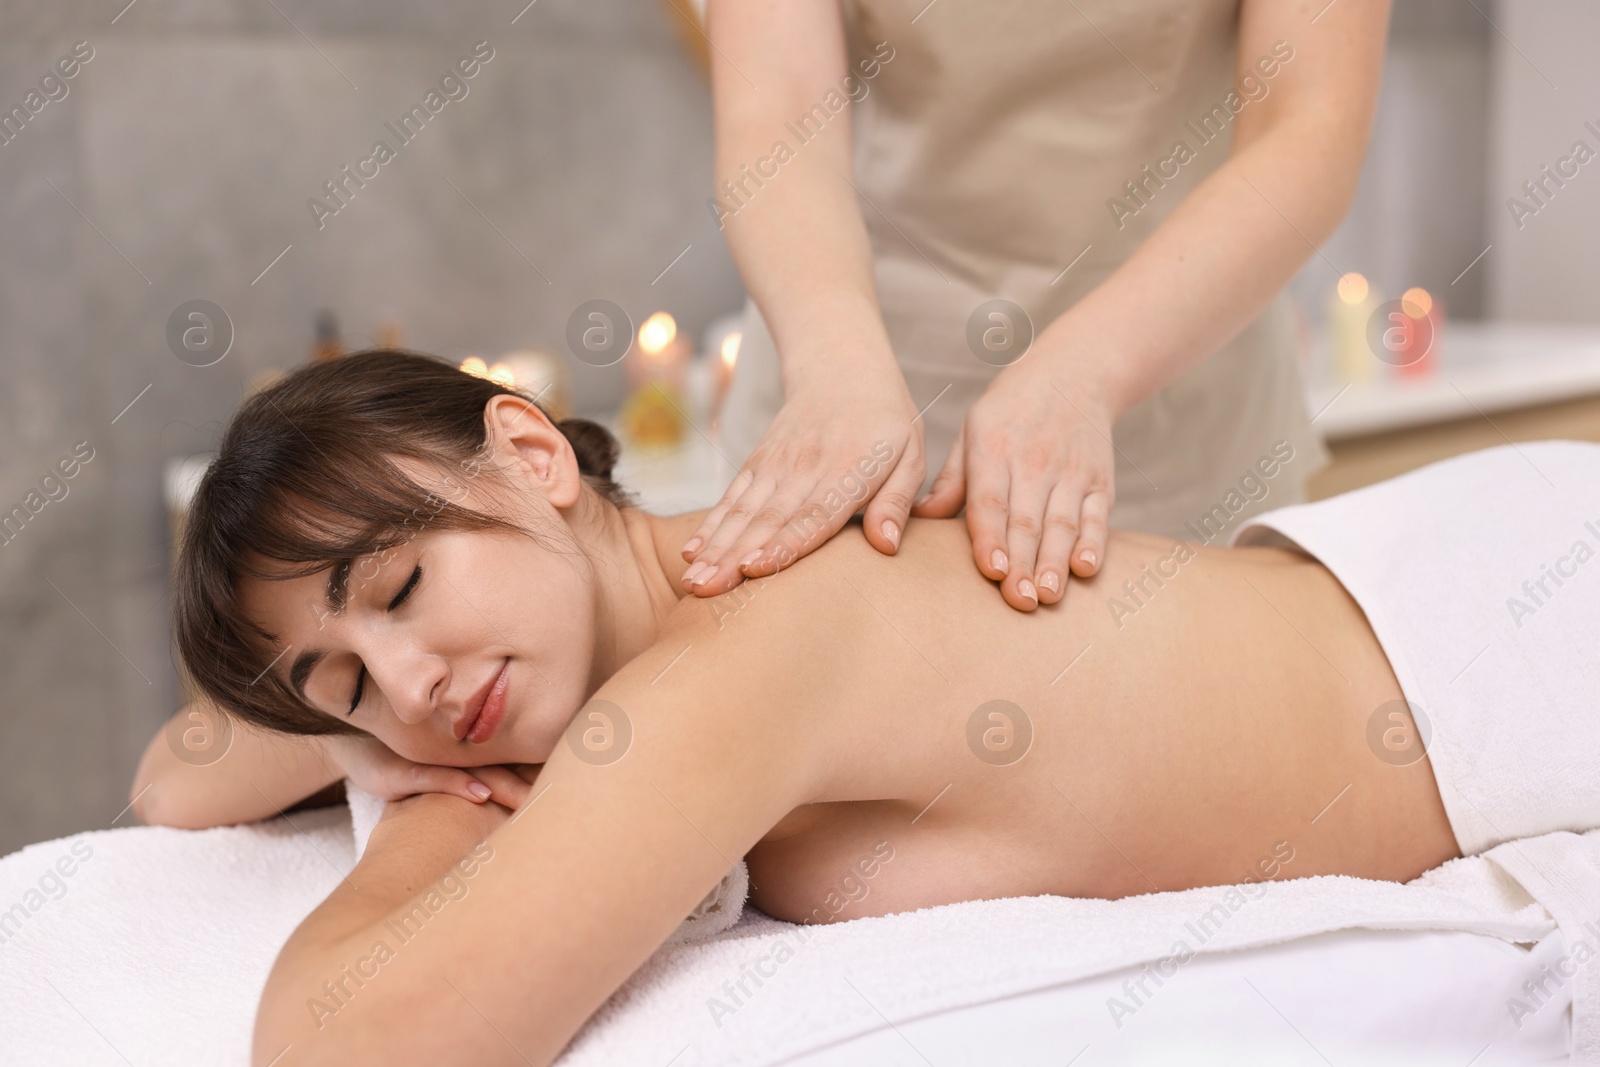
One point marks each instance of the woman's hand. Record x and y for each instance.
(1034, 462)
(831, 449)
(376, 768)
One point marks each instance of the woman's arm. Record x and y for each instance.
(257, 775)
(571, 894)
(792, 222)
(204, 768)
(1210, 268)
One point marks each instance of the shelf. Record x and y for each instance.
(1482, 369)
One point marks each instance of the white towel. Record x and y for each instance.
(1472, 572)
(154, 950)
(912, 964)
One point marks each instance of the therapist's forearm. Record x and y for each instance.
(794, 228)
(1212, 266)
(803, 253)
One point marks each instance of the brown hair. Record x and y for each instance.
(303, 481)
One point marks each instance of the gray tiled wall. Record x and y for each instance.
(574, 168)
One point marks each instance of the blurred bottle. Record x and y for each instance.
(327, 344)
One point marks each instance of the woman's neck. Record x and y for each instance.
(638, 572)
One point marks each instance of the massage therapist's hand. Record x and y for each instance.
(1034, 462)
(376, 768)
(832, 448)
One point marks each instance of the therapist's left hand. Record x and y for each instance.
(1034, 462)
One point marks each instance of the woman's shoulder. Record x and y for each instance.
(778, 637)
(804, 605)
(825, 586)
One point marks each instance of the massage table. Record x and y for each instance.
(155, 947)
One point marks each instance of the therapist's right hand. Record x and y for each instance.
(832, 448)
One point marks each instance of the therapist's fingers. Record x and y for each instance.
(1062, 520)
(714, 570)
(949, 490)
(1055, 544)
(742, 481)
(988, 497)
(759, 550)
(1093, 527)
(1024, 525)
(884, 522)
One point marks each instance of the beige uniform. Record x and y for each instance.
(1000, 143)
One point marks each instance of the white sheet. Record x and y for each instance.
(155, 948)
(1418, 998)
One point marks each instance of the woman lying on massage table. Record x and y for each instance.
(394, 550)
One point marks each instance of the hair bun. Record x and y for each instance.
(596, 447)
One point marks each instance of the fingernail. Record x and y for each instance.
(691, 546)
(751, 558)
(704, 576)
(694, 569)
(998, 561)
(892, 532)
(1026, 589)
(1048, 580)
(1087, 557)
(479, 790)
(923, 499)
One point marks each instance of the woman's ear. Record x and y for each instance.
(527, 445)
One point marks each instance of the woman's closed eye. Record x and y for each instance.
(405, 590)
(399, 598)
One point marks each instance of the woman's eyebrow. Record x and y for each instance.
(304, 663)
(338, 592)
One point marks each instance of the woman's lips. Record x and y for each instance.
(493, 710)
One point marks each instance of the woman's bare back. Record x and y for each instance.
(1190, 716)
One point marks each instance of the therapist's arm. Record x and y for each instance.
(848, 432)
(1034, 462)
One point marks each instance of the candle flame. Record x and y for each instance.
(1416, 303)
(730, 349)
(1353, 288)
(475, 366)
(501, 374)
(657, 332)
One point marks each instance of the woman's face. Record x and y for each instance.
(442, 636)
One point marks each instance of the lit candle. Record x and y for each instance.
(1419, 353)
(1349, 310)
(653, 415)
(663, 355)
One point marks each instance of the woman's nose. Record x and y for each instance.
(414, 685)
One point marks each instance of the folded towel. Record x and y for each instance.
(717, 912)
